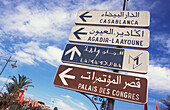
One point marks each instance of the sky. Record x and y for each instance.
(35, 33)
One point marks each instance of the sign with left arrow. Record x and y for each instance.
(125, 37)
(109, 58)
(113, 18)
(63, 76)
(107, 84)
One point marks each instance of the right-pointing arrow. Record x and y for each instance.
(63, 76)
(73, 51)
(84, 16)
(78, 32)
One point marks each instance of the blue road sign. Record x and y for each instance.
(109, 58)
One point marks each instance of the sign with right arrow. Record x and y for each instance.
(114, 18)
(125, 37)
(107, 84)
(109, 58)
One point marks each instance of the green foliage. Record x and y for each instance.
(9, 100)
(17, 106)
(10, 88)
(166, 102)
(21, 82)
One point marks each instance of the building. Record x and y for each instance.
(35, 103)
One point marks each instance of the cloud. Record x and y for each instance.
(34, 22)
(159, 78)
(159, 61)
(33, 51)
(25, 19)
(101, 5)
(28, 95)
(28, 25)
(63, 106)
(79, 105)
(69, 104)
(5, 80)
(160, 44)
(3, 52)
(152, 100)
(5, 2)
(66, 96)
(143, 5)
(162, 41)
(23, 57)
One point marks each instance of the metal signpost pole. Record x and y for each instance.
(125, 5)
(110, 104)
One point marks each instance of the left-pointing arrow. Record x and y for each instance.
(73, 51)
(63, 76)
(84, 16)
(78, 32)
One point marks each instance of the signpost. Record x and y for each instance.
(109, 58)
(114, 18)
(106, 84)
(136, 38)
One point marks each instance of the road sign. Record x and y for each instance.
(106, 84)
(114, 18)
(136, 38)
(109, 58)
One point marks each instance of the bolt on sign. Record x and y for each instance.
(109, 58)
(114, 18)
(107, 84)
(126, 37)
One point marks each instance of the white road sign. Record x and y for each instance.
(125, 37)
(114, 18)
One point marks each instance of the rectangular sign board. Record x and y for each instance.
(114, 18)
(125, 37)
(109, 58)
(107, 84)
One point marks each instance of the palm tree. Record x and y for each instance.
(13, 90)
(8, 98)
(23, 81)
(166, 102)
(18, 84)
(10, 88)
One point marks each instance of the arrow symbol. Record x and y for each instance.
(78, 32)
(63, 76)
(73, 51)
(84, 16)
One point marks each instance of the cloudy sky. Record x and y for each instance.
(35, 33)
